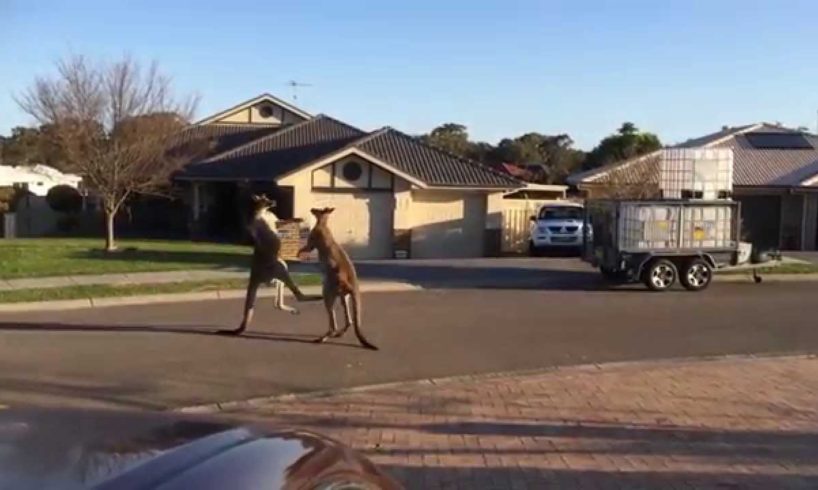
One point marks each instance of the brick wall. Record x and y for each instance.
(293, 235)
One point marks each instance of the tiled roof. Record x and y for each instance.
(755, 167)
(279, 153)
(288, 149)
(751, 166)
(431, 165)
(224, 137)
(713, 137)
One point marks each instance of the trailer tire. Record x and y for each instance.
(696, 274)
(660, 275)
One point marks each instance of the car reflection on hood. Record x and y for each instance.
(66, 450)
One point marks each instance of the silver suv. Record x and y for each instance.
(556, 226)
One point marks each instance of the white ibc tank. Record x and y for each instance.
(696, 173)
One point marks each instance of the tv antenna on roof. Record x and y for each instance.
(294, 85)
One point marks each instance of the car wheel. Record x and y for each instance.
(696, 275)
(660, 275)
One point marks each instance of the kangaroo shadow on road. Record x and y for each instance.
(165, 329)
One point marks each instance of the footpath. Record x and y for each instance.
(730, 423)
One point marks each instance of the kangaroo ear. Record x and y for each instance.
(316, 212)
(255, 198)
(329, 210)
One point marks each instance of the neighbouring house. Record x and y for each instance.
(527, 173)
(33, 216)
(394, 195)
(775, 178)
(37, 179)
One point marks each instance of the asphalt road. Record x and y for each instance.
(166, 355)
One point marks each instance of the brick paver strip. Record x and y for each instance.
(738, 423)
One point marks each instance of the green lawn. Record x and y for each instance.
(62, 257)
(107, 290)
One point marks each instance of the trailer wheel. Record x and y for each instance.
(696, 275)
(660, 275)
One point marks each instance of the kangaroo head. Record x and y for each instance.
(261, 202)
(321, 215)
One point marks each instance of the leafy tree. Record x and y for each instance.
(22, 147)
(552, 155)
(29, 146)
(628, 142)
(451, 137)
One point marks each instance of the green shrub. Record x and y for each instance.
(64, 199)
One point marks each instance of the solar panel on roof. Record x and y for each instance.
(778, 141)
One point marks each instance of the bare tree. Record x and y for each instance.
(117, 124)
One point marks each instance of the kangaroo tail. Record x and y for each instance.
(356, 315)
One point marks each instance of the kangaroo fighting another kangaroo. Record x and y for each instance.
(340, 278)
(267, 266)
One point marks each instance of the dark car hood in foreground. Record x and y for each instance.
(69, 450)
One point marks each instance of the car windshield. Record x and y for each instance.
(561, 212)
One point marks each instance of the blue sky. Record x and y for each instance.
(678, 68)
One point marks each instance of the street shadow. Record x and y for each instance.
(529, 274)
(168, 329)
(132, 393)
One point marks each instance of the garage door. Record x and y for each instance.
(448, 224)
(362, 222)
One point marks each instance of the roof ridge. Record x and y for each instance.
(466, 160)
(266, 137)
(321, 115)
(369, 136)
(733, 132)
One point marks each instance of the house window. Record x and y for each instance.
(352, 171)
(266, 111)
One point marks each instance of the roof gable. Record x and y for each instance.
(264, 109)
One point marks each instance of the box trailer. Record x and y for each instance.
(660, 242)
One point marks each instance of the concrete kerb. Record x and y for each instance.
(225, 406)
(807, 277)
(373, 287)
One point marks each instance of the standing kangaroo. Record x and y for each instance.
(340, 278)
(267, 267)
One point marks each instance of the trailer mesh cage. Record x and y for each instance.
(696, 173)
(637, 226)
